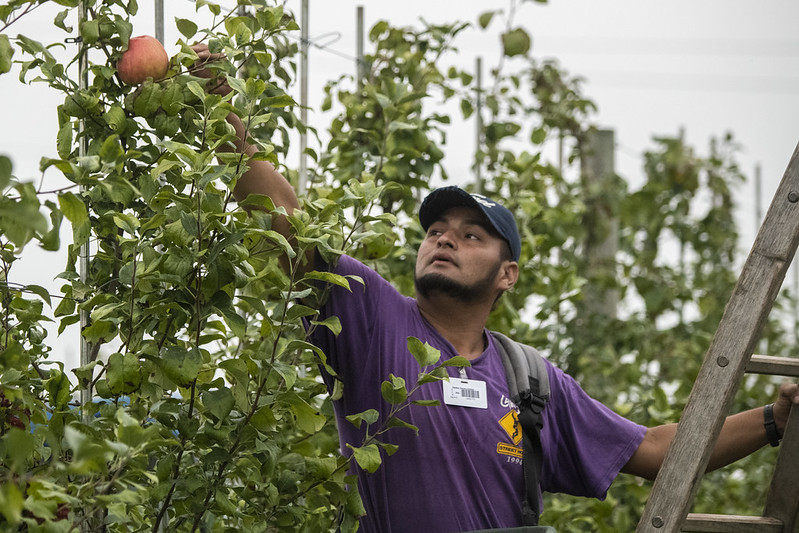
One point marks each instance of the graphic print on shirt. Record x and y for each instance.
(510, 423)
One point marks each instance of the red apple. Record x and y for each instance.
(144, 58)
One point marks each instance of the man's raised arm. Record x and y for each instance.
(742, 434)
(261, 177)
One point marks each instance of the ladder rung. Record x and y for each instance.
(714, 523)
(777, 366)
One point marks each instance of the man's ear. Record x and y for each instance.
(509, 275)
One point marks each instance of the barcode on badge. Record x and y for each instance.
(470, 393)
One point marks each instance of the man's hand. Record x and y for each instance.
(216, 85)
(789, 395)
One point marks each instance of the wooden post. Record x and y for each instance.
(598, 173)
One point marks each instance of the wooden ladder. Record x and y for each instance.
(729, 356)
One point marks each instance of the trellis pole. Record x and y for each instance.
(478, 164)
(83, 255)
(159, 20)
(303, 174)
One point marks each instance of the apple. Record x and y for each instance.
(144, 58)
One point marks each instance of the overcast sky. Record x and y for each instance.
(652, 68)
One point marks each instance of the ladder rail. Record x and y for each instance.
(725, 362)
(772, 365)
(782, 501)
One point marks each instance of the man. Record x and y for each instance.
(463, 471)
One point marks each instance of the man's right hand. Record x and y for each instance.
(216, 84)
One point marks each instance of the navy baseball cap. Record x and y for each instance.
(500, 217)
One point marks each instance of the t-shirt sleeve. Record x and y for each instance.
(356, 309)
(585, 443)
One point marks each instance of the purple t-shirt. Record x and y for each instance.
(463, 470)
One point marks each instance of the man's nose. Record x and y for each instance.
(446, 239)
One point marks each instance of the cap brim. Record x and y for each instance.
(440, 200)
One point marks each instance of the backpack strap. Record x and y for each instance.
(528, 384)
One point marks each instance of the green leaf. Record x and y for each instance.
(181, 365)
(254, 87)
(51, 240)
(467, 108)
(115, 118)
(384, 101)
(394, 390)
(369, 416)
(328, 277)
(397, 125)
(11, 501)
(338, 390)
(172, 99)
(5, 171)
(14, 357)
(390, 449)
(219, 402)
(89, 31)
(308, 419)
(485, 18)
(439, 373)
(149, 100)
(111, 150)
(72, 207)
(58, 389)
(85, 373)
(75, 211)
(238, 85)
(100, 331)
(427, 403)
(424, 354)
(367, 457)
(332, 323)
(196, 89)
(186, 27)
(282, 100)
(39, 291)
(263, 419)
(64, 140)
(354, 504)
(126, 222)
(299, 311)
(457, 361)
(516, 42)
(538, 136)
(6, 53)
(124, 373)
(395, 422)
(321, 467)
(19, 445)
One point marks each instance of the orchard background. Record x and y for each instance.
(205, 411)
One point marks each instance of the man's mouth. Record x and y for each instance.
(442, 258)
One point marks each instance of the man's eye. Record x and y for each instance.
(471, 236)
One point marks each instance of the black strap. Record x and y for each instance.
(530, 395)
(530, 408)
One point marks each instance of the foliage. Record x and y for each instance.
(207, 409)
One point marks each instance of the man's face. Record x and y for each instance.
(460, 257)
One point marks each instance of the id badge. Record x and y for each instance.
(465, 392)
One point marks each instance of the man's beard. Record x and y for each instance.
(431, 283)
